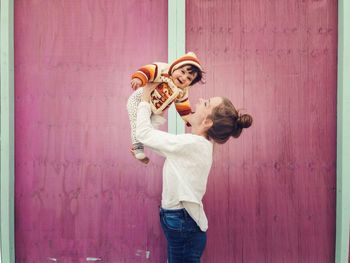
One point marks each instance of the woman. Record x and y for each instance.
(186, 169)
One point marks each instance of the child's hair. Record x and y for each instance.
(227, 122)
(194, 69)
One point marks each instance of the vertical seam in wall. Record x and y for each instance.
(7, 132)
(176, 48)
(343, 138)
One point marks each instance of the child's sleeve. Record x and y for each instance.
(146, 73)
(150, 72)
(183, 107)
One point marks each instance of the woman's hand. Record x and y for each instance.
(147, 90)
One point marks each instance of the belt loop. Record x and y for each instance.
(185, 213)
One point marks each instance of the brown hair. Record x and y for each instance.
(193, 69)
(227, 122)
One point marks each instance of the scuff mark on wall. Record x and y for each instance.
(93, 259)
(141, 252)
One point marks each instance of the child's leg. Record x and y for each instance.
(132, 104)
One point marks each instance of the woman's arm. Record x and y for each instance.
(163, 142)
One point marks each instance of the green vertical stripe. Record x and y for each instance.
(7, 132)
(176, 48)
(343, 134)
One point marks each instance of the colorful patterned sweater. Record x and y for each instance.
(166, 92)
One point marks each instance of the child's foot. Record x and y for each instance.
(138, 152)
(144, 160)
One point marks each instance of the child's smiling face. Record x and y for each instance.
(182, 77)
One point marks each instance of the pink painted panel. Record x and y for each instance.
(271, 194)
(79, 193)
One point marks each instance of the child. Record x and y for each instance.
(174, 82)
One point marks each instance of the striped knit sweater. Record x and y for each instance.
(166, 92)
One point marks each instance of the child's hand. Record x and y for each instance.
(135, 83)
(147, 90)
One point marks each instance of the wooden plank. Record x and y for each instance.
(271, 194)
(79, 193)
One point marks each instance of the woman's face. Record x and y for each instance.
(203, 109)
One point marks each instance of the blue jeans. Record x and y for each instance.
(186, 242)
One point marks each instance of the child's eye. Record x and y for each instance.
(183, 72)
(189, 79)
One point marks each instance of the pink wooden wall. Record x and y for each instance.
(79, 194)
(271, 194)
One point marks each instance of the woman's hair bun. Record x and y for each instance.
(244, 121)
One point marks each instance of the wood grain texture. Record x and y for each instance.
(79, 192)
(271, 193)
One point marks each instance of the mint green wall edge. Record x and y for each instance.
(343, 135)
(176, 48)
(7, 132)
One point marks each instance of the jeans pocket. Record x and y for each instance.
(173, 222)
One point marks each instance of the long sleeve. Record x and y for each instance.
(183, 107)
(150, 72)
(163, 142)
(146, 73)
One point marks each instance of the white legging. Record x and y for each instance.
(132, 104)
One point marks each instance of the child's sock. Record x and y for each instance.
(138, 152)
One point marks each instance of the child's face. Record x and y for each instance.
(182, 77)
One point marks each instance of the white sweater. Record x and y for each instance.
(186, 167)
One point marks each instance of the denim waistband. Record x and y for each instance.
(181, 211)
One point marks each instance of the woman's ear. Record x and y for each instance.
(207, 123)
